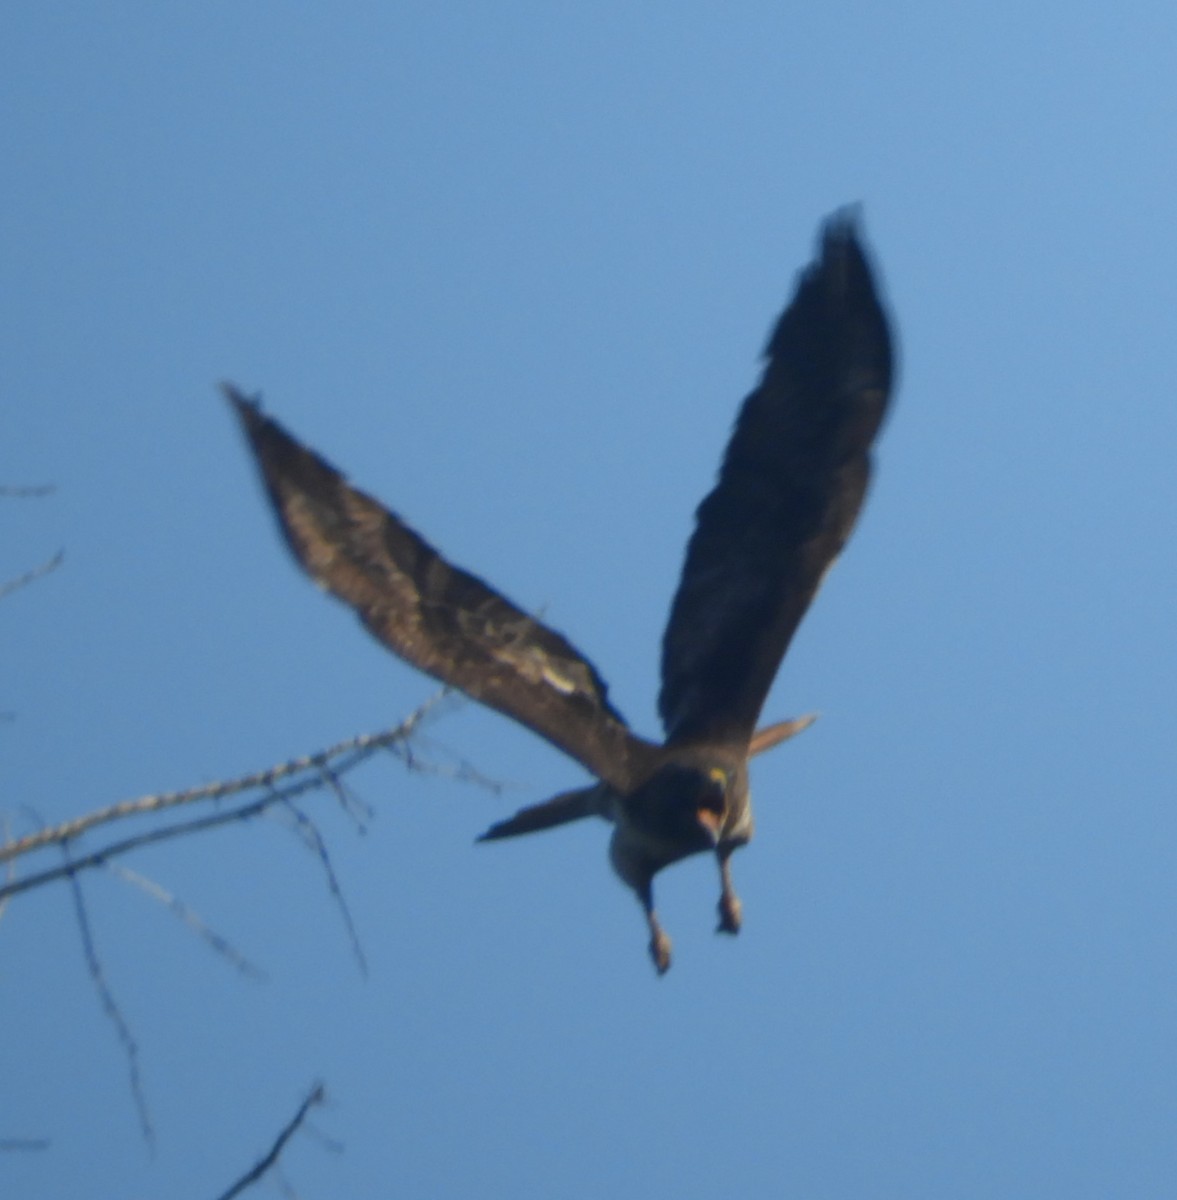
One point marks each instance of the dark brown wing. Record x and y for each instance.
(790, 488)
(432, 614)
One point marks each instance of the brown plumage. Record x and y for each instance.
(790, 488)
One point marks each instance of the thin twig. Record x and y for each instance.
(41, 1143)
(190, 918)
(111, 1008)
(315, 1096)
(26, 489)
(9, 867)
(50, 564)
(351, 805)
(460, 769)
(313, 839)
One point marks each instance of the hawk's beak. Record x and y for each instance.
(710, 819)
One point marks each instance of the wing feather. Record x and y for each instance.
(434, 615)
(790, 488)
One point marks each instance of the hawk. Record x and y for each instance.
(789, 491)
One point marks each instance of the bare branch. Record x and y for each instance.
(111, 1008)
(190, 918)
(41, 1143)
(195, 825)
(342, 757)
(303, 774)
(50, 564)
(315, 1096)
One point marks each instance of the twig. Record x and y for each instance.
(315, 1096)
(351, 804)
(190, 918)
(111, 1008)
(27, 489)
(461, 769)
(41, 1143)
(9, 868)
(313, 839)
(50, 564)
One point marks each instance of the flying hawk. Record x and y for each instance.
(790, 488)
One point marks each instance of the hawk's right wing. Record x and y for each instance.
(434, 615)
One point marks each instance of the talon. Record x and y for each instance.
(731, 914)
(660, 951)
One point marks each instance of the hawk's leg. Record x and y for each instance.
(659, 939)
(730, 908)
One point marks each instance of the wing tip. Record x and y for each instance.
(839, 288)
(844, 222)
(843, 248)
(247, 408)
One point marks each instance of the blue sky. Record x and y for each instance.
(512, 266)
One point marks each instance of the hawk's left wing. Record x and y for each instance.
(790, 489)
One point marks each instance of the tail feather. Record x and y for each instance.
(567, 806)
(773, 735)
